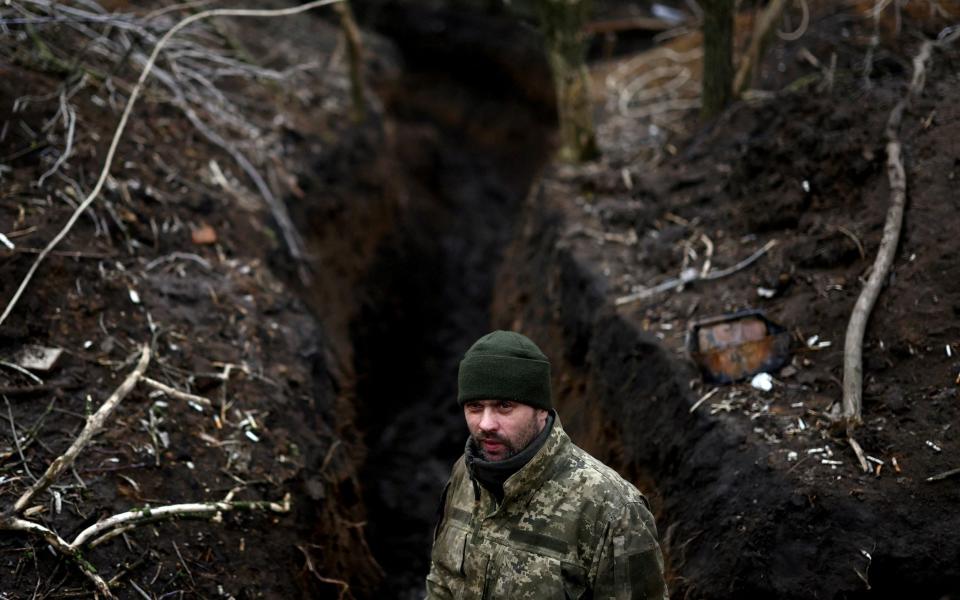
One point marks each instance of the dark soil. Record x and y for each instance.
(222, 323)
(747, 505)
(342, 384)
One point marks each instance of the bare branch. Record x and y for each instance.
(144, 515)
(71, 116)
(94, 424)
(691, 275)
(175, 393)
(125, 117)
(853, 344)
(60, 545)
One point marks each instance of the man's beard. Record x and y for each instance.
(513, 447)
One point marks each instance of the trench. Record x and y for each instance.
(459, 248)
(470, 142)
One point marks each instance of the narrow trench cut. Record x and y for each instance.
(468, 157)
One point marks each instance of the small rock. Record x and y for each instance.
(204, 235)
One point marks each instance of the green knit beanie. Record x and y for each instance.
(505, 365)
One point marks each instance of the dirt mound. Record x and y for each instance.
(756, 496)
(179, 253)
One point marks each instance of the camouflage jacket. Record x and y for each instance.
(568, 527)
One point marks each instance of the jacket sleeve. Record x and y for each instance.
(436, 589)
(629, 565)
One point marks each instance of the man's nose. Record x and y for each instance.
(488, 422)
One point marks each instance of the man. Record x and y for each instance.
(526, 513)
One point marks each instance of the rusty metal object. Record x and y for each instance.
(731, 347)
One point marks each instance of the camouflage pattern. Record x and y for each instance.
(568, 527)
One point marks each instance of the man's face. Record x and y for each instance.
(502, 428)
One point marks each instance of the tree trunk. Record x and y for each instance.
(562, 22)
(717, 56)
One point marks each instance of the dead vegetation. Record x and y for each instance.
(81, 70)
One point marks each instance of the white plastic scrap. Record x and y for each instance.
(134, 296)
(762, 381)
(6, 242)
(934, 446)
(766, 292)
(791, 456)
(667, 13)
(816, 343)
(38, 358)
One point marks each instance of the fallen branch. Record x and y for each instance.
(61, 545)
(175, 393)
(853, 344)
(145, 515)
(125, 116)
(94, 424)
(691, 275)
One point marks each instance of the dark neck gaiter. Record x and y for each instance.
(493, 474)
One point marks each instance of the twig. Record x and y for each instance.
(853, 344)
(793, 36)
(175, 393)
(691, 275)
(705, 269)
(758, 42)
(343, 585)
(704, 398)
(93, 425)
(125, 116)
(143, 515)
(21, 370)
(16, 439)
(71, 117)
(860, 456)
(743, 264)
(944, 475)
(277, 207)
(855, 239)
(59, 544)
(184, 563)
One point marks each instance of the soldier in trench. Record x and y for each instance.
(526, 513)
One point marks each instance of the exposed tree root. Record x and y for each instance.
(851, 415)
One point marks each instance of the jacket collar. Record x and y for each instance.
(532, 475)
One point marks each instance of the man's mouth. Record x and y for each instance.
(492, 446)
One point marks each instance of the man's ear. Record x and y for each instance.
(542, 416)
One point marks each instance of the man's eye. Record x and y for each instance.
(505, 405)
(474, 406)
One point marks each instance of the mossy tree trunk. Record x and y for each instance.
(562, 23)
(717, 55)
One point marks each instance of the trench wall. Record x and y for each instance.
(731, 523)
